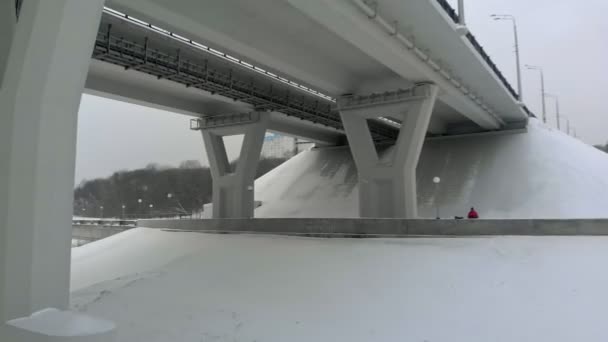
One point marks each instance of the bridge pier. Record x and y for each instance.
(387, 182)
(233, 188)
(46, 62)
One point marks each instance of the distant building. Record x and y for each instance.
(282, 146)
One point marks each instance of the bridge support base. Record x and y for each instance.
(40, 91)
(233, 189)
(387, 181)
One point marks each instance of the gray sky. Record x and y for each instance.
(565, 37)
(115, 135)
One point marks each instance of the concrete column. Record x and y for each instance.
(387, 182)
(39, 98)
(233, 190)
(8, 19)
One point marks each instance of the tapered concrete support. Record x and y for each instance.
(39, 97)
(8, 20)
(387, 184)
(233, 189)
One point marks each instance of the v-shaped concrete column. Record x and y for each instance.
(233, 189)
(387, 184)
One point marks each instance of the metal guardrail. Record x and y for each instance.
(104, 222)
(169, 65)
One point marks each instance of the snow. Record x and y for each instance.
(539, 174)
(53, 322)
(184, 286)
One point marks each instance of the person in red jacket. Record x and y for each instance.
(473, 214)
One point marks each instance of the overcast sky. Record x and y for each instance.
(567, 38)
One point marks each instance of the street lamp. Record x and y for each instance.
(461, 20)
(542, 88)
(512, 19)
(436, 180)
(181, 207)
(123, 210)
(101, 209)
(569, 129)
(556, 109)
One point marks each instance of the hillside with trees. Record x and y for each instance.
(602, 147)
(152, 191)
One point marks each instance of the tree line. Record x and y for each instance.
(602, 147)
(152, 191)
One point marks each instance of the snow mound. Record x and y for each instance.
(182, 286)
(541, 173)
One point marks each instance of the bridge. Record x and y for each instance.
(366, 73)
(222, 71)
(234, 73)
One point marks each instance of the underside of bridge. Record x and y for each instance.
(141, 57)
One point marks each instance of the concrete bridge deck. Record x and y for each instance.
(206, 67)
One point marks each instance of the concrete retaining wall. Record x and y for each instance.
(94, 233)
(395, 227)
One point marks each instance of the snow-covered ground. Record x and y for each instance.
(180, 286)
(539, 174)
(184, 286)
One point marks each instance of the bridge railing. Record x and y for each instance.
(454, 16)
(104, 222)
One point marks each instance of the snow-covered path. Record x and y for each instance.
(177, 286)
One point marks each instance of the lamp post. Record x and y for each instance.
(181, 207)
(461, 20)
(557, 119)
(101, 211)
(436, 180)
(542, 88)
(139, 209)
(123, 210)
(515, 36)
(569, 129)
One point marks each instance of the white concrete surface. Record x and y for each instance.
(233, 190)
(352, 54)
(8, 19)
(39, 98)
(387, 185)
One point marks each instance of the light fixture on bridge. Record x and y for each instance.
(512, 19)
(542, 88)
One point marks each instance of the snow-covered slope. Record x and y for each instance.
(185, 287)
(539, 174)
